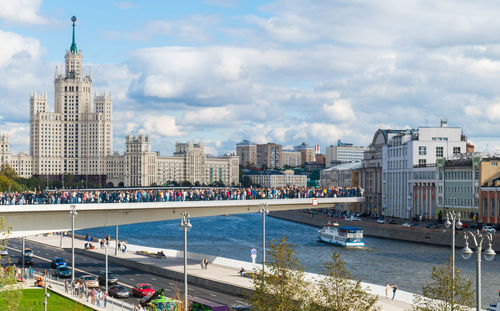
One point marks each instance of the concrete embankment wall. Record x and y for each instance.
(440, 237)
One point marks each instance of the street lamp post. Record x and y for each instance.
(73, 213)
(489, 254)
(185, 225)
(455, 223)
(106, 267)
(264, 210)
(116, 241)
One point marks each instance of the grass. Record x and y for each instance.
(33, 300)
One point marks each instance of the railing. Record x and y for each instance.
(58, 285)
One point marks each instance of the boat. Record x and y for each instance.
(342, 235)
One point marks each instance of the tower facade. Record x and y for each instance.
(77, 136)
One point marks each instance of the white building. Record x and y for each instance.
(343, 152)
(409, 149)
(277, 179)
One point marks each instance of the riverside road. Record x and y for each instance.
(126, 276)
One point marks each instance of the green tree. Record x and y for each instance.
(437, 293)
(339, 291)
(246, 181)
(281, 287)
(11, 292)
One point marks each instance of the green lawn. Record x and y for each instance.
(33, 300)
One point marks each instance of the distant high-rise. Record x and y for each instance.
(269, 155)
(247, 153)
(343, 152)
(76, 136)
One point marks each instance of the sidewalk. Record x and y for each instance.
(220, 270)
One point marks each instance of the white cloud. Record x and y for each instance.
(22, 11)
(16, 46)
(340, 110)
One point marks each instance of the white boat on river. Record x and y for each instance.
(342, 235)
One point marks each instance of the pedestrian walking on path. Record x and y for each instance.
(205, 263)
(387, 288)
(394, 289)
(202, 264)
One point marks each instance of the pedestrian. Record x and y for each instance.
(101, 242)
(205, 261)
(202, 264)
(105, 299)
(124, 246)
(387, 287)
(98, 298)
(31, 272)
(66, 286)
(87, 237)
(119, 245)
(394, 289)
(242, 272)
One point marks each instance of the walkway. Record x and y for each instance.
(220, 270)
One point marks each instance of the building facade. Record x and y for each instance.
(343, 152)
(247, 153)
(489, 197)
(306, 152)
(291, 158)
(408, 150)
(269, 155)
(370, 172)
(424, 192)
(277, 178)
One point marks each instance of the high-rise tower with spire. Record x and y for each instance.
(77, 136)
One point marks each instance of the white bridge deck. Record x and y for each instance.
(26, 220)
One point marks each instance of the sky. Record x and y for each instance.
(284, 71)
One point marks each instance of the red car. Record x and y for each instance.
(142, 290)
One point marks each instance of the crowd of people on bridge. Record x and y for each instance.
(76, 196)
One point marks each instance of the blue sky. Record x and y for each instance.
(283, 71)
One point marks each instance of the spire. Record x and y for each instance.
(73, 48)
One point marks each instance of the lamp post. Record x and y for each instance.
(489, 254)
(116, 241)
(185, 225)
(106, 245)
(264, 210)
(454, 223)
(73, 213)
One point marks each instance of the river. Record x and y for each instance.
(403, 263)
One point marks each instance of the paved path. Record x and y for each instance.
(220, 269)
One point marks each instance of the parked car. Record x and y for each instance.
(4, 251)
(354, 218)
(393, 222)
(406, 224)
(465, 225)
(57, 263)
(118, 291)
(28, 260)
(28, 252)
(112, 278)
(142, 290)
(381, 221)
(63, 272)
(431, 225)
(89, 280)
(489, 229)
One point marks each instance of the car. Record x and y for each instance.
(406, 224)
(89, 280)
(393, 222)
(465, 225)
(57, 263)
(142, 290)
(112, 278)
(474, 226)
(4, 252)
(489, 229)
(381, 221)
(28, 260)
(355, 218)
(431, 225)
(28, 252)
(63, 272)
(118, 291)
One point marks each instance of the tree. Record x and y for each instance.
(339, 291)
(11, 292)
(246, 181)
(437, 293)
(281, 287)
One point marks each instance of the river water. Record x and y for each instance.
(403, 263)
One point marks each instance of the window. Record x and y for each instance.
(422, 162)
(485, 207)
(456, 150)
(422, 150)
(439, 152)
(492, 204)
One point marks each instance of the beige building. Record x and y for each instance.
(307, 153)
(277, 179)
(269, 155)
(247, 153)
(291, 158)
(343, 152)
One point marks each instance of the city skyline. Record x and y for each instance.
(194, 72)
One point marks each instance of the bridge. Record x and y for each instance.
(27, 220)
